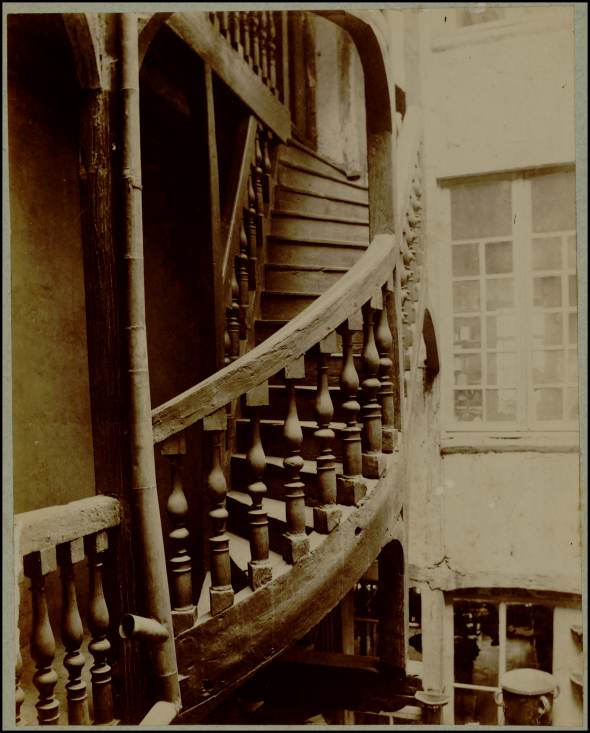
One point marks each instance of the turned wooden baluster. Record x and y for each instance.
(234, 26)
(223, 17)
(250, 216)
(179, 561)
(254, 41)
(233, 319)
(226, 340)
(326, 516)
(295, 542)
(266, 165)
(272, 53)
(245, 31)
(242, 267)
(72, 632)
(259, 188)
(221, 594)
(259, 569)
(19, 693)
(373, 464)
(351, 487)
(263, 46)
(36, 566)
(98, 623)
(384, 343)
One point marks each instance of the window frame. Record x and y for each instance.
(521, 236)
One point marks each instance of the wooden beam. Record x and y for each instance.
(85, 43)
(198, 33)
(148, 30)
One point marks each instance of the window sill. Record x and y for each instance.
(470, 442)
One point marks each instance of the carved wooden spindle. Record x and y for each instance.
(243, 280)
(264, 46)
(98, 623)
(266, 165)
(233, 319)
(255, 41)
(351, 487)
(295, 542)
(221, 594)
(245, 32)
(252, 233)
(235, 31)
(326, 516)
(272, 53)
(226, 340)
(19, 693)
(179, 561)
(72, 632)
(259, 187)
(373, 464)
(223, 17)
(384, 343)
(36, 566)
(259, 569)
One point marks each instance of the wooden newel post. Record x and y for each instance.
(259, 569)
(72, 633)
(221, 594)
(36, 566)
(384, 343)
(328, 515)
(351, 487)
(295, 542)
(373, 460)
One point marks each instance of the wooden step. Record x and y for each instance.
(299, 154)
(306, 179)
(287, 197)
(301, 279)
(316, 253)
(278, 305)
(299, 225)
(274, 443)
(266, 327)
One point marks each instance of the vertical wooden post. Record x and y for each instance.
(328, 515)
(233, 319)
(259, 569)
(252, 232)
(266, 164)
(263, 46)
(72, 633)
(384, 343)
(285, 67)
(221, 594)
(259, 188)
(373, 463)
(393, 608)
(254, 40)
(36, 566)
(272, 52)
(245, 25)
(143, 471)
(242, 268)
(295, 542)
(351, 487)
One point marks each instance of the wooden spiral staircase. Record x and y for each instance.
(304, 424)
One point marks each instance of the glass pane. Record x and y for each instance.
(498, 257)
(481, 210)
(547, 329)
(572, 365)
(547, 292)
(500, 331)
(547, 254)
(466, 296)
(468, 405)
(571, 251)
(499, 293)
(476, 643)
(467, 333)
(475, 706)
(554, 202)
(529, 637)
(548, 403)
(465, 260)
(502, 369)
(571, 407)
(467, 369)
(573, 328)
(573, 290)
(547, 367)
(500, 404)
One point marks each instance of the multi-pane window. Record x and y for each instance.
(514, 323)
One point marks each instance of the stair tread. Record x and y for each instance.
(290, 293)
(275, 508)
(319, 174)
(294, 144)
(312, 242)
(309, 467)
(305, 268)
(239, 550)
(304, 423)
(318, 194)
(299, 214)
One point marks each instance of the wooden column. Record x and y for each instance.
(328, 515)
(393, 608)
(221, 594)
(72, 633)
(36, 566)
(296, 544)
(384, 343)
(351, 487)
(373, 460)
(259, 569)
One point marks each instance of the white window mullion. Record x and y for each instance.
(521, 228)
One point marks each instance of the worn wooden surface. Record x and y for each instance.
(199, 33)
(85, 44)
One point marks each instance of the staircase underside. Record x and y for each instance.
(221, 652)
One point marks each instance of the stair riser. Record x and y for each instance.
(284, 306)
(238, 524)
(308, 182)
(297, 156)
(301, 281)
(312, 229)
(305, 404)
(284, 252)
(293, 200)
(273, 441)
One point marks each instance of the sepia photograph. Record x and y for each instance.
(294, 365)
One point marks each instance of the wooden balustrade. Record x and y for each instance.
(371, 435)
(259, 570)
(296, 544)
(221, 594)
(384, 343)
